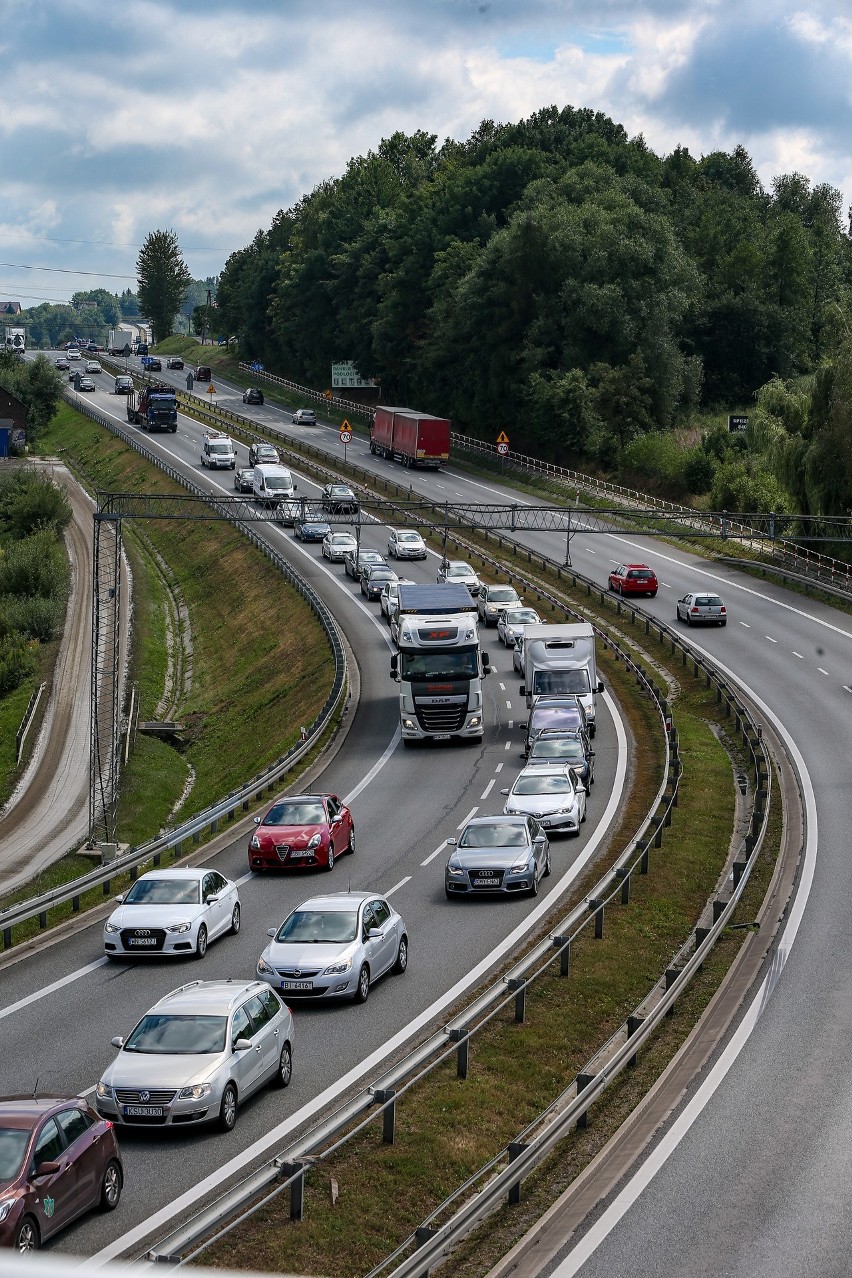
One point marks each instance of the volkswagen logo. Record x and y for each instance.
(145, 1096)
(143, 931)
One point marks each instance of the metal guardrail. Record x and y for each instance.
(24, 726)
(173, 840)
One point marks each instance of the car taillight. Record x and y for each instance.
(694, 609)
(723, 609)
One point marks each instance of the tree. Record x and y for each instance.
(37, 385)
(163, 279)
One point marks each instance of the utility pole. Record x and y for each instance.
(206, 317)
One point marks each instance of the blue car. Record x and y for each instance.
(311, 529)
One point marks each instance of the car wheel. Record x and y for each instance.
(284, 1072)
(228, 1108)
(235, 919)
(27, 1235)
(534, 889)
(362, 993)
(350, 847)
(330, 864)
(401, 956)
(688, 620)
(547, 866)
(111, 1184)
(201, 943)
(723, 623)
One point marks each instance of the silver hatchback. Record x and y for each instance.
(197, 1055)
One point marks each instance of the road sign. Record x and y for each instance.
(211, 389)
(503, 450)
(346, 437)
(502, 438)
(329, 394)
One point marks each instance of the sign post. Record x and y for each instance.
(503, 450)
(345, 436)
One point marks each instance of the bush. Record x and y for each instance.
(17, 663)
(740, 486)
(699, 470)
(33, 616)
(656, 463)
(36, 566)
(29, 504)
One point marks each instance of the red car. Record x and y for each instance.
(302, 830)
(58, 1159)
(633, 579)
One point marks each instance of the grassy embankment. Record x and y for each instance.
(261, 663)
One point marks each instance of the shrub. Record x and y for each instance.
(17, 663)
(656, 463)
(36, 566)
(33, 616)
(699, 470)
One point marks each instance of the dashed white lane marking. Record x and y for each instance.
(499, 767)
(397, 886)
(511, 726)
(508, 745)
(432, 855)
(665, 585)
(472, 813)
(797, 654)
(502, 687)
(820, 669)
(745, 623)
(589, 551)
(50, 989)
(846, 688)
(508, 705)
(771, 640)
(488, 789)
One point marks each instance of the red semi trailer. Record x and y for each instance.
(415, 439)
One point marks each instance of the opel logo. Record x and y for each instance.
(297, 971)
(145, 1096)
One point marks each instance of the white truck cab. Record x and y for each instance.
(217, 451)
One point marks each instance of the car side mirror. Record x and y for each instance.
(506, 791)
(120, 899)
(257, 820)
(242, 1045)
(452, 841)
(295, 486)
(211, 899)
(335, 820)
(600, 685)
(48, 1168)
(591, 754)
(271, 931)
(374, 933)
(117, 1042)
(522, 690)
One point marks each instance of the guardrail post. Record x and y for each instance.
(462, 1037)
(633, 1024)
(739, 869)
(672, 973)
(643, 864)
(516, 1147)
(701, 934)
(658, 835)
(385, 1096)
(297, 1189)
(718, 909)
(563, 944)
(624, 875)
(583, 1081)
(7, 938)
(519, 985)
(42, 919)
(749, 843)
(597, 908)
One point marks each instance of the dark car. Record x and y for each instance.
(340, 499)
(61, 363)
(311, 529)
(85, 383)
(302, 831)
(633, 579)
(203, 373)
(555, 712)
(124, 385)
(152, 364)
(58, 1159)
(261, 452)
(142, 348)
(374, 578)
(571, 749)
(253, 395)
(244, 479)
(174, 361)
(355, 560)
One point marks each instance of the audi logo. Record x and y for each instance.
(143, 931)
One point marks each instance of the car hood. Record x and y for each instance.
(539, 804)
(499, 858)
(294, 835)
(153, 1069)
(153, 915)
(307, 954)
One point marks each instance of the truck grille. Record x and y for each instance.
(440, 719)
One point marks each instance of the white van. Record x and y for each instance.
(217, 451)
(272, 484)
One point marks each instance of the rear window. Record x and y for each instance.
(709, 601)
(640, 574)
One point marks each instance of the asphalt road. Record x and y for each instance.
(757, 1183)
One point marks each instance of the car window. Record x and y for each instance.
(369, 920)
(258, 1013)
(74, 1123)
(49, 1145)
(382, 913)
(208, 886)
(333, 807)
(271, 1002)
(241, 1026)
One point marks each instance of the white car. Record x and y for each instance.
(511, 622)
(389, 598)
(334, 946)
(92, 366)
(73, 354)
(404, 543)
(518, 662)
(492, 598)
(456, 570)
(174, 912)
(553, 795)
(336, 546)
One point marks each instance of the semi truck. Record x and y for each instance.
(559, 660)
(118, 339)
(439, 666)
(410, 437)
(153, 408)
(16, 339)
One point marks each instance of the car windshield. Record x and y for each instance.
(307, 812)
(557, 748)
(13, 1146)
(319, 926)
(164, 892)
(550, 784)
(559, 682)
(278, 483)
(494, 836)
(408, 536)
(342, 539)
(521, 617)
(502, 594)
(460, 570)
(381, 574)
(341, 492)
(457, 663)
(219, 448)
(163, 1034)
(553, 717)
(369, 557)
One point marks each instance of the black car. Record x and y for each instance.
(174, 361)
(571, 749)
(253, 395)
(203, 373)
(374, 577)
(261, 452)
(340, 499)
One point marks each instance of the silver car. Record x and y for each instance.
(511, 622)
(491, 599)
(336, 546)
(553, 795)
(699, 608)
(457, 570)
(404, 543)
(497, 854)
(389, 598)
(174, 912)
(198, 1054)
(335, 946)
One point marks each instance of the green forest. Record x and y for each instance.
(557, 279)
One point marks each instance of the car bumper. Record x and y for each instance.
(180, 1113)
(569, 821)
(270, 860)
(173, 945)
(457, 885)
(325, 987)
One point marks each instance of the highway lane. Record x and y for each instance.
(757, 1184)
(403, 817)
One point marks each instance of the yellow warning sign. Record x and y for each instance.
(211, 389)
(329, 394)
(502, 438)
(344, 425)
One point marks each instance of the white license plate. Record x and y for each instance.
(297, 985)
(142, 940)
(441, 736)
(143, 1111)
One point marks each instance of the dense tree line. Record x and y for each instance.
(553, 277)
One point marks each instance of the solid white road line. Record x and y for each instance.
(771, 640)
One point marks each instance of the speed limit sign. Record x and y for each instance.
(503, 449)
(346, 437)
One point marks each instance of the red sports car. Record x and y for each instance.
(633, 579)
(302, 830)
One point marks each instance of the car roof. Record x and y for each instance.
(338, 901)
(497, 819)
(212, 996)
(543, 770)
(173, 872)
(638, 566)
(22, 1111)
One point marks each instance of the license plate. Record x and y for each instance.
(297, 985)
(142, 940)
(486, 880)
(441, 736)
(143, 1111)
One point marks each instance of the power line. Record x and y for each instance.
(65, 270)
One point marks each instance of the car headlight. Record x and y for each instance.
(334, 969)
(254, 843)
(453, 868)
(179, 927)
(6, 1205)
(474, 721)
(195, 1092)
(520, 866)
(103, 1090)
(110, 927)
(314, 842)
(263, 967)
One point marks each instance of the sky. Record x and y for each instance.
(206, 118)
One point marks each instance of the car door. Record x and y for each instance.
(218, 912)
(55, 1197)
(82, 1139)
(539, 845)
(384, 955)
(266, 1036)
(337, 833)
(246, 1066)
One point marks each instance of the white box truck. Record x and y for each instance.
(560, 660)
